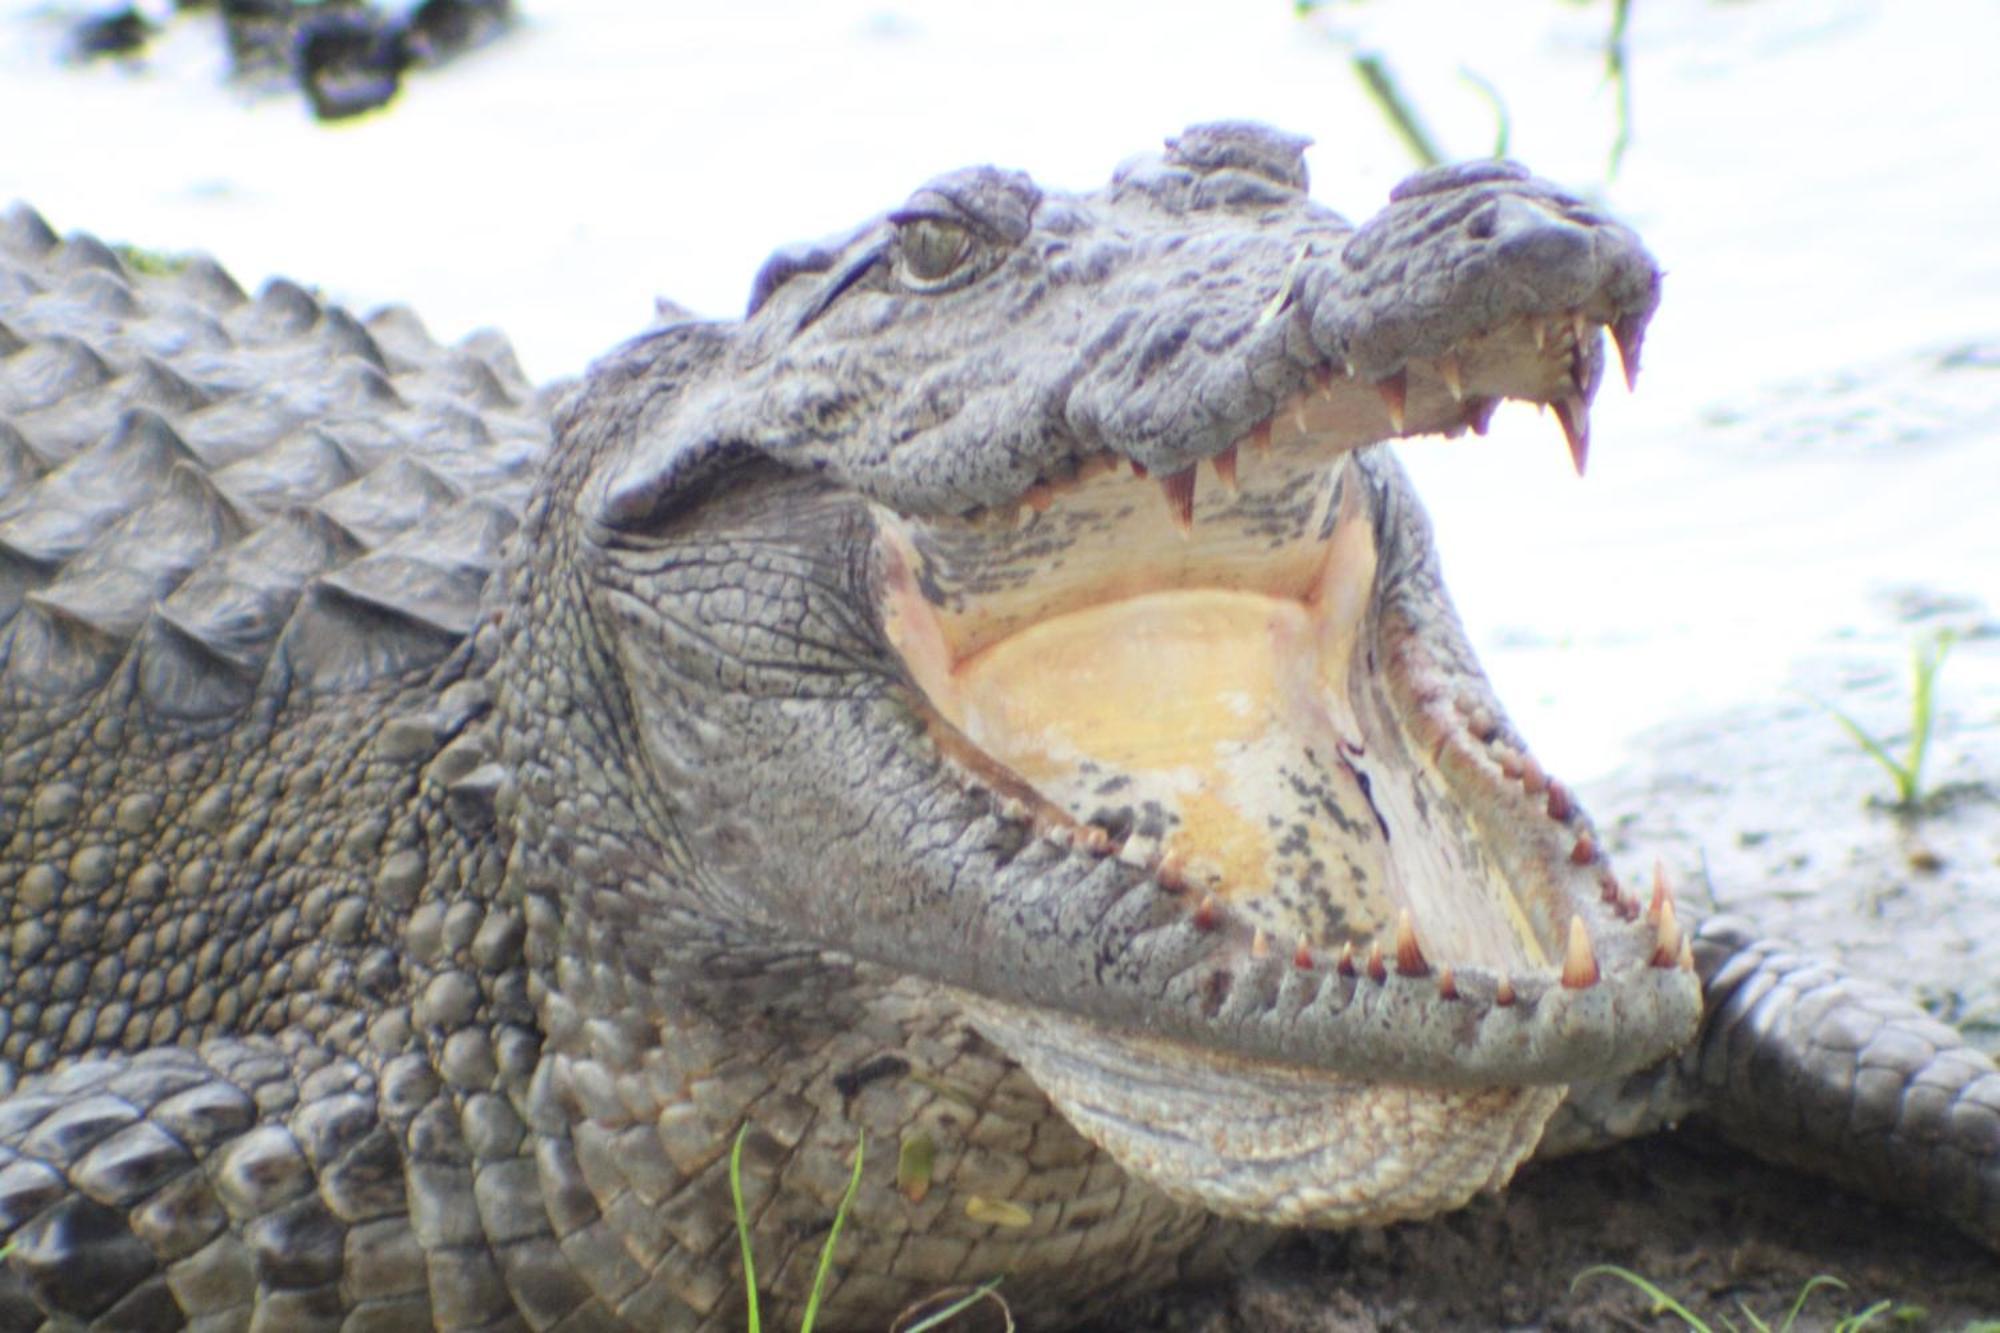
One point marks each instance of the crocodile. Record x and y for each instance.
(986, 730)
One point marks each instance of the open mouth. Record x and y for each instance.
(1237, 683)
(1246, 678)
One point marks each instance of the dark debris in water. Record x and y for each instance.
(346, 56)
(116, 32)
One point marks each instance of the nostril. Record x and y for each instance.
(1527, 232)
(1551, 246)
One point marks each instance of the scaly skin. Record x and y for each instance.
(434, 837)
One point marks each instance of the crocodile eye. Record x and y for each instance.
(931, 250)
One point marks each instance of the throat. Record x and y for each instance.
(1242, 740)
(1213, 724)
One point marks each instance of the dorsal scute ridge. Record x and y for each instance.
(199, 482)
(24, 233)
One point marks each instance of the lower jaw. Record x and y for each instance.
(1270, 1143)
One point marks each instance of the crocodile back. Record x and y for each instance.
(213, 492)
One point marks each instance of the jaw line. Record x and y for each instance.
(1258, 1138)
(953, 593)
(1177, 693)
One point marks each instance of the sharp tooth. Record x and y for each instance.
(1322, 378)
(1479, 413)
(1579, 371)
(1224, 464)
(1541, 332)
(1585, 850)
(1575, 419)
(1345, 964)
(1409, 957)
(1447, 984)
(1503, 994)
(1299, 415)
(1208, 915)
(1663, 893)
(1579, 326)
(1260, 944)
(1560, 806)
(1579, 963)
(1395, 392)
(1143, 852)
(1302, 958)
(1448, 372)
(1666, 937)
(1377, 972)
(1179, 490)
(1260, 436)
(1687, 954)
(1629, 332)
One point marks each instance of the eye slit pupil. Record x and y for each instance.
(932, 248)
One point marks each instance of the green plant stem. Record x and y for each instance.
(743, 1225)
(832, 1237)
(1381, 86)
(1926, 660)
(1618, 69)
(937, 1318)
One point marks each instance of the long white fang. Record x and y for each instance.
(1449, 373)
(1579, 962)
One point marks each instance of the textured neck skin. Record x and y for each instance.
(400, 938)
(677, 1011)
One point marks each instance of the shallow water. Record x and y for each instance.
(1811, 173)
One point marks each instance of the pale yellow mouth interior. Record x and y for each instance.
(1194, 701)
(1225, 732)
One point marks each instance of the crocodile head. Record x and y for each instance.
(1021, 598)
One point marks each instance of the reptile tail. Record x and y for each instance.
(1804, 1065)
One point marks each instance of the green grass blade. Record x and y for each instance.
(743, 1224)
(832, 1237)
(1503, 133)
(1662, 1303)
(1381, 87)
(1925, 662)
(958, 1307)
(1906, 782)
(1618, 70)
(1805, 1294)
(1864, 1319)
(1756, 1325)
